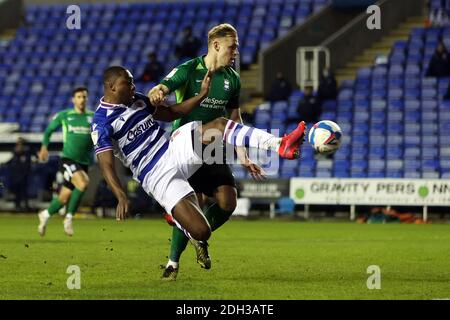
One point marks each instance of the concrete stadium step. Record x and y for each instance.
(358, 64)
(381, 47)
(8, 34)
(250, 78)
(249, 82)
(251, 105)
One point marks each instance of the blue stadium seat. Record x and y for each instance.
(388, 113)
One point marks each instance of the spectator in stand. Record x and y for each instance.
(447, 94)
(327, 86)
(188, 46)
(309, 108)
(437, 17)
(281, 89)
(153, 70)
(20, 170)
(440, 62)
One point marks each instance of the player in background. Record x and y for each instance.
(213, 180)
(125, 126)
(77, 155)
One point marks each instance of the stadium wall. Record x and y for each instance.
(9, 11)
(281, 55)
(353, 38)
(344, 32)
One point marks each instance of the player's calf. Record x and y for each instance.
(190, 218)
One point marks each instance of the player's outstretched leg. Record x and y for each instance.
(240, 135)
(189, 218)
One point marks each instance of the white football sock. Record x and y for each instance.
(172, 263)
(244, 136)
(45, 214)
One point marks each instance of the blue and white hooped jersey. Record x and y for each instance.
(131, 132)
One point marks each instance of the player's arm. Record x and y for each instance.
(179, 110)
(103, 146)
(106, 163)
(52, 126)
(175, 79)
(158, 93)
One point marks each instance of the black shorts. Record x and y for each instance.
(67, 168)
(211, 176)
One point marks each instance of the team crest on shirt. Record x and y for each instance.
(226, 85)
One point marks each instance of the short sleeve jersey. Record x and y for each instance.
(186, 79)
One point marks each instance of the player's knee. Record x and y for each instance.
(83, 184)
(63, 200)
(220, 123)
(201, 233)
(205, 233)
(226, 198)
(228, 205)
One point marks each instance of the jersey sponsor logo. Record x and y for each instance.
(171, 74)
(79, 130)
(94, 136)
(140, 129)
(213, 103)
(226, 85)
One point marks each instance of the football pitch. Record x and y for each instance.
(262, 260)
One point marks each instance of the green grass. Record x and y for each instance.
(251, 260)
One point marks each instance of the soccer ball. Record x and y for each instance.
(325, 137)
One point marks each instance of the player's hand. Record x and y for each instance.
(156, 95)
(122, 209)
(255, 171)
(43, 154)
(206, 84)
